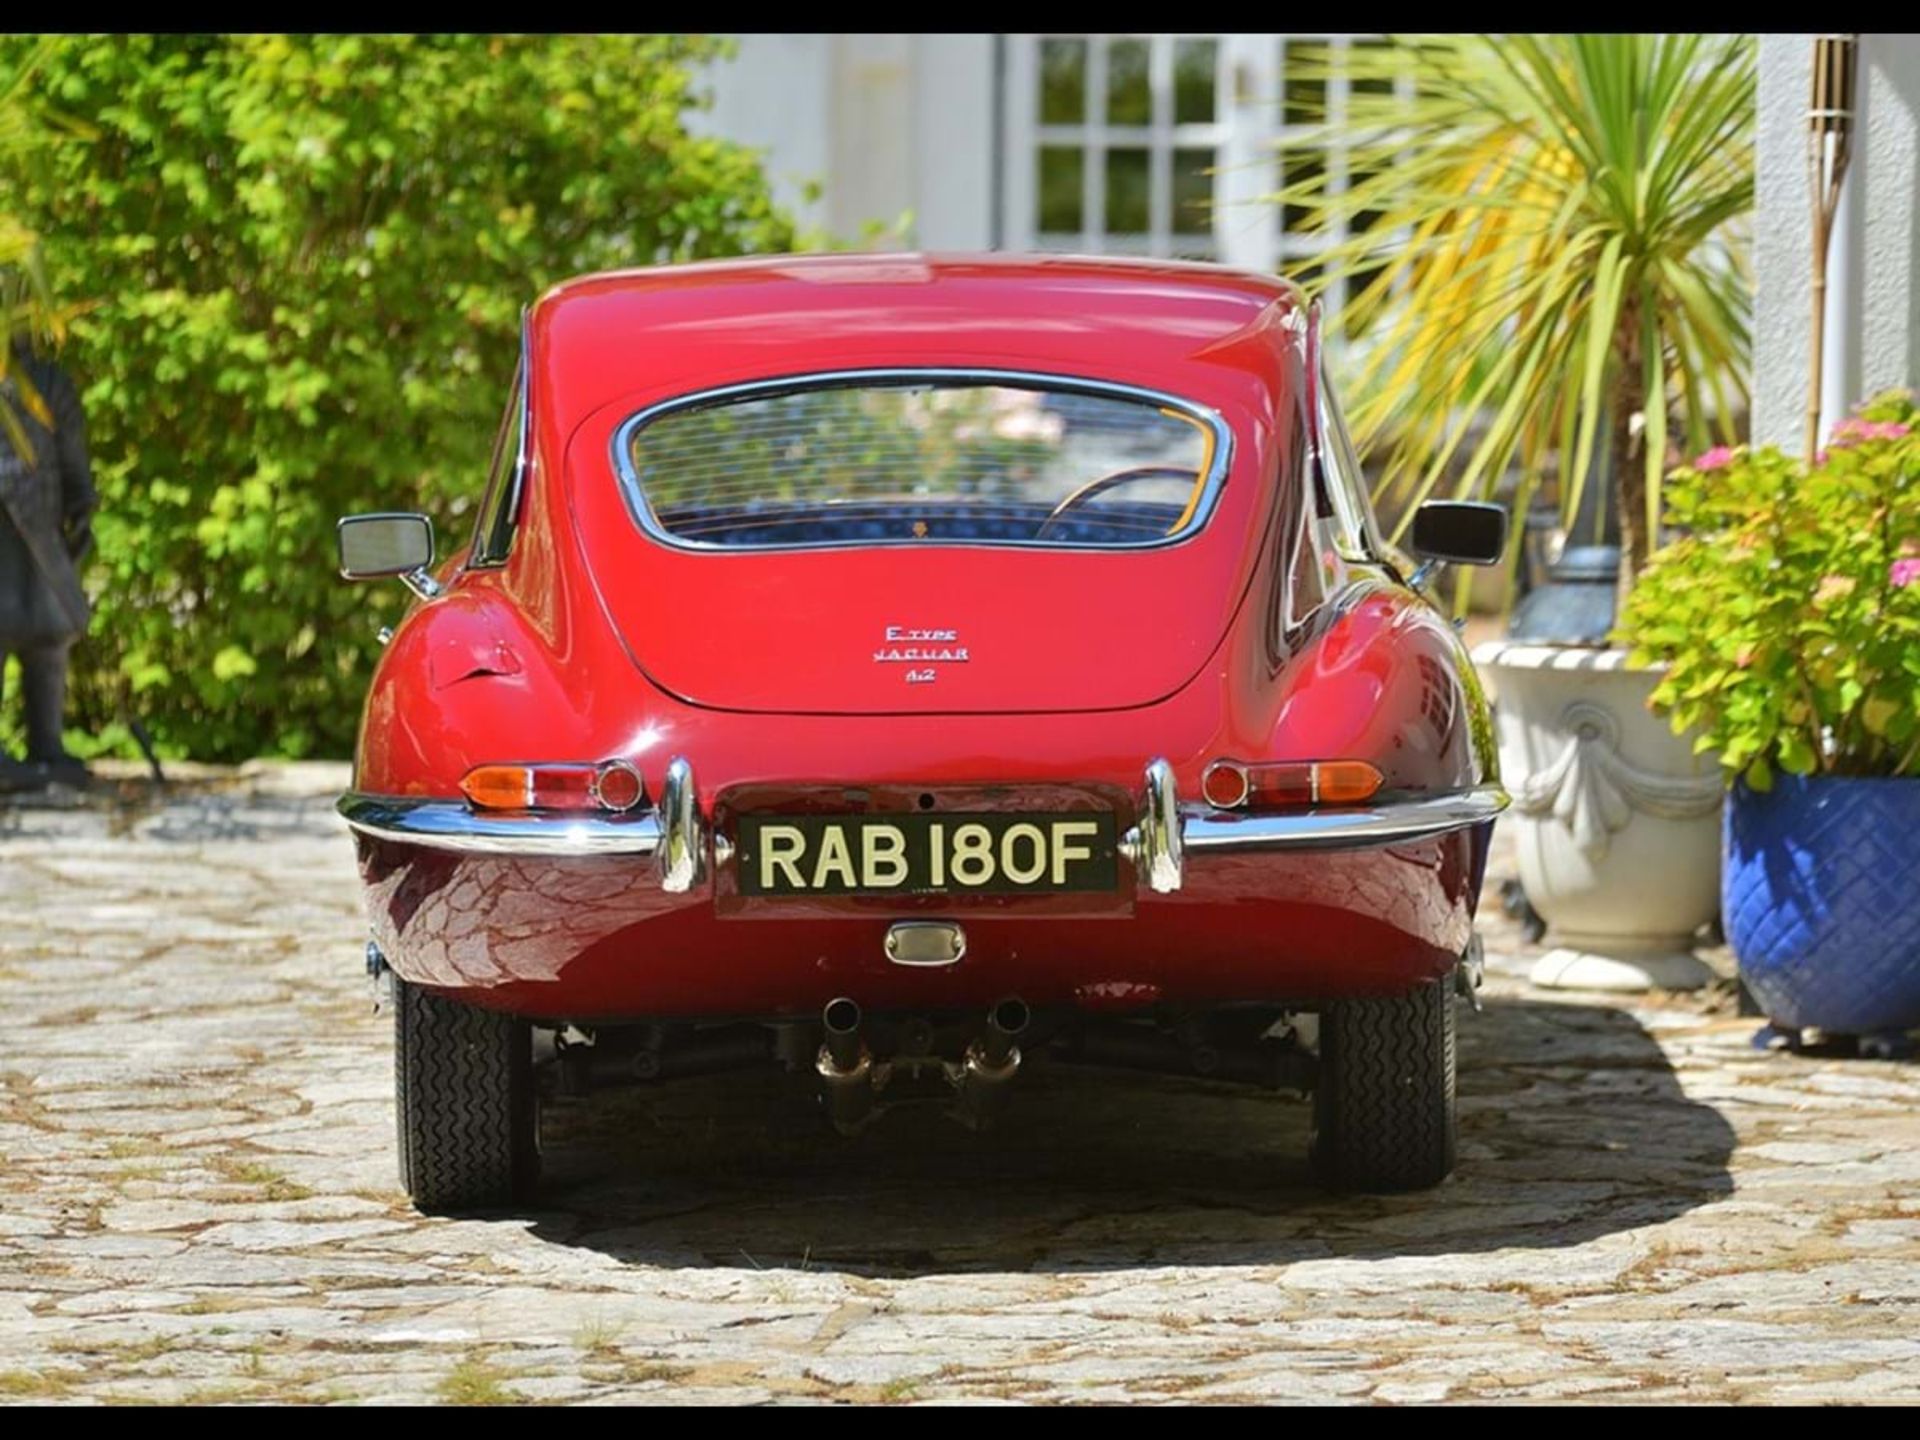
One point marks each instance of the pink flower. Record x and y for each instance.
(1718, 458)
(1853, 431)
(1905, 573)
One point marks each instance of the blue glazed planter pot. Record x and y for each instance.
(1821, 898)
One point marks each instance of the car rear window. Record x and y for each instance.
(919, 458)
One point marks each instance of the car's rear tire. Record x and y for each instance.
(1384, 1112)
(463, 1102)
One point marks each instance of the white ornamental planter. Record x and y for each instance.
(1617, 821)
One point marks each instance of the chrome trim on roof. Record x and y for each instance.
(642, 512)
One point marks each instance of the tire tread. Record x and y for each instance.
(463, 1101)
(1386, 1116)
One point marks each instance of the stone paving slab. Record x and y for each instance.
(198, 1199)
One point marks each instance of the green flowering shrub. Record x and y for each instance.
(303, 261)
(1788, 613)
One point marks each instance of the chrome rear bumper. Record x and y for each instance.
(450, 825)
(673, 833)
(1208, 832)
(1168, 832)
(677, 837)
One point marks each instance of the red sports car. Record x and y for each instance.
(906, 669)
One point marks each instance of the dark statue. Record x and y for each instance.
(47, 501)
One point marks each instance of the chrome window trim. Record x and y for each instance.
(515, 482)
(1356, 537)
(1353, 536)
(642, 511)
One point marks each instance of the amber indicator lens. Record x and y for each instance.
(1231, 785)
(1344, 782)
(614, 785)
(499, 787)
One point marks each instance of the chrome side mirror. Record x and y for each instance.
(1466, 532)
(388, 546)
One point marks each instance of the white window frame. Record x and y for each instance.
(1248, 134)
(1160, 138)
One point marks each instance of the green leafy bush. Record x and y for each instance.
(306, 259)
(1788, 615)
(27, 308)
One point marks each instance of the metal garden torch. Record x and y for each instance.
(1829, 149)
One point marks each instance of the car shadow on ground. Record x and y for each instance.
(1573, 1127)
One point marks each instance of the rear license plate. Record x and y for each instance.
(995, 853)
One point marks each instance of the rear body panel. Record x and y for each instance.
(597, 641)
(836, 630)
(591, 940)
(1043, 629)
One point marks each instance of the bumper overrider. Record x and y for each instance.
(678, 838)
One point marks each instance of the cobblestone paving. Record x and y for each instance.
(198, 1196)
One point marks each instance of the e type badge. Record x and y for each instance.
(921, 650)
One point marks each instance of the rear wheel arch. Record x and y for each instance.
(1384, 678)
(465, 682)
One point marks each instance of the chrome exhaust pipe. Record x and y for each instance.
(844, 1066)
(991, 1063)
(1005, 1023)
(842, 1019)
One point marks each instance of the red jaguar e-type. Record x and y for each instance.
(908, 668)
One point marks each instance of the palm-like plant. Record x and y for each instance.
(1554, 252)
(27, 308)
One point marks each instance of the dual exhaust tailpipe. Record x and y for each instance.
(990, 1064)
(845, 1066)
(851, 1078)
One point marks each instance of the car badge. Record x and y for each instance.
(921, 650)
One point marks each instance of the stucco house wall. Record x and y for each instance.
(888, 130)
(1167, 144)
(1873, 329)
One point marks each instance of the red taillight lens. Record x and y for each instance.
(617, 786)
(614, 785)
(1230, 785)
(1225, 785)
